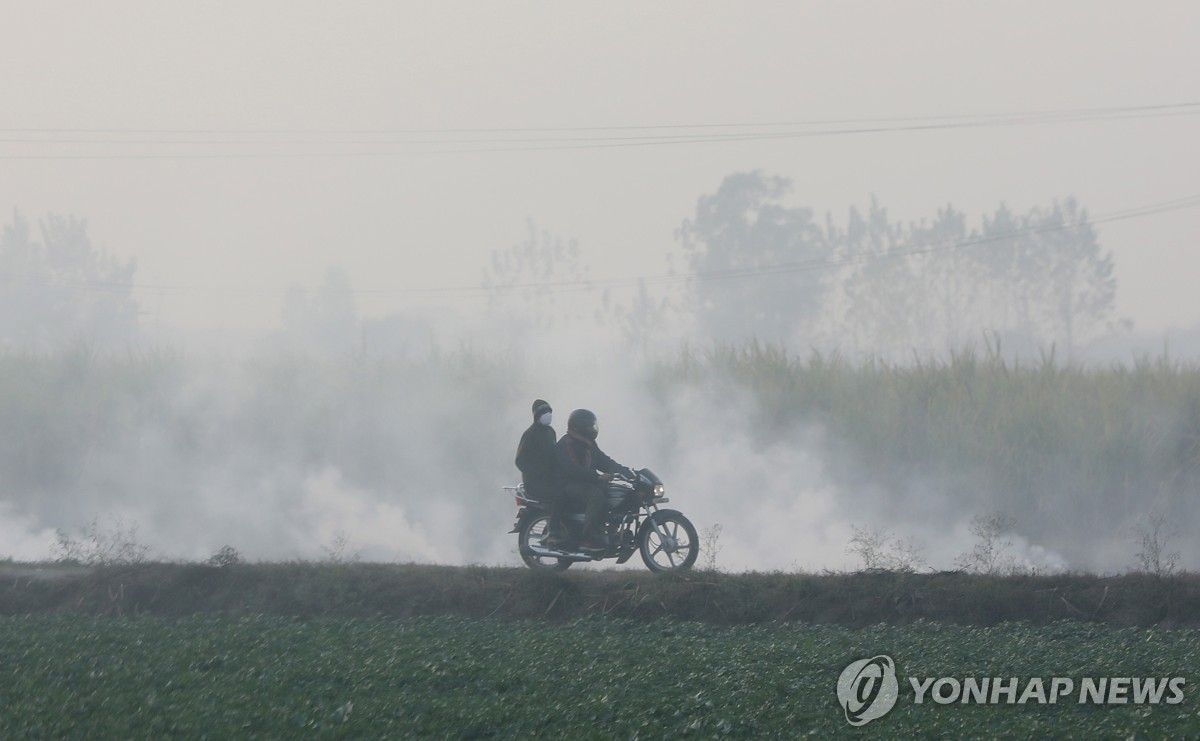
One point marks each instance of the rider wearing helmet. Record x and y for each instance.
(581, 470)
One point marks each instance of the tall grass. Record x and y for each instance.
(1058, 447)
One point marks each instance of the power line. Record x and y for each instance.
(466, 141)
(1103, 110)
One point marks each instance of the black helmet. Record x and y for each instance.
(583, 422)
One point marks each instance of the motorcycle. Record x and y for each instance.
(633, 523)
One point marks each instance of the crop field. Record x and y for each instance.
(452, 677)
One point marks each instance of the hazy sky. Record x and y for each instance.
(234, 148)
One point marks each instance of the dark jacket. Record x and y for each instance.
(576, 460)
(535, 458)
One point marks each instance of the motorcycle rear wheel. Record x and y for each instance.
(534, 528)
(678, 550)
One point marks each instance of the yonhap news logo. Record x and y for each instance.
(868, 689)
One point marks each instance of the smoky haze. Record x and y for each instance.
(288, 279)
(390, 439)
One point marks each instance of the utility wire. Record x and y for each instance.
(1096, 111)
(469, 141)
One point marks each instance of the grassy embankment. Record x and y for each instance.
(313, 590)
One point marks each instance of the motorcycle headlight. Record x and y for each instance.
(659, 490)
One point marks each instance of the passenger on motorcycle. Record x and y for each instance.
(535, 458)
(581, 470)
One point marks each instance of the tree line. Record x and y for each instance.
(753, 266)
(871, 285)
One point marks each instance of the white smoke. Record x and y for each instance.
(21, 538)
(391, 459)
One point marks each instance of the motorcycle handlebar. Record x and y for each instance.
(627, 474)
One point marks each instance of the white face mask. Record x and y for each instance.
(545, 418)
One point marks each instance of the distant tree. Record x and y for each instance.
(1080, 289)
(1033, 281)
(909, 288)
(540, 283)
(62, 289)
(1048, 276)
(756, 261)
(947, 278)
(878, 311)
(644, 320)
(324, 319)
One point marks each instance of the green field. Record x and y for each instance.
(451, 677)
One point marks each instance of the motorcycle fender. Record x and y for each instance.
(641, 533)
(520, 521)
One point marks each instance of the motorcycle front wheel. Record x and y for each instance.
(534, 529)
(669, 542)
